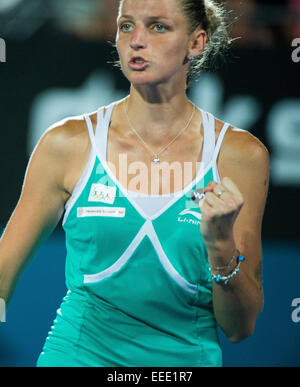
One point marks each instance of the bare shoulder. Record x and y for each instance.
(66, 137)
(242, 148)
(65, 148)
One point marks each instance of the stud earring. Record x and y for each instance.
(192, 57)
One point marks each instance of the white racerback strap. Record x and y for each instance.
(91, 129)
(219, 142)
(101, 133)
(209, 137)
(216, 152)
(99, 137)
(211, 148)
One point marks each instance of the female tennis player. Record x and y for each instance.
(162, 207)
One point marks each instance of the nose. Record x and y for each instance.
(138, 38)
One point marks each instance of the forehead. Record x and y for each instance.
(150, 8)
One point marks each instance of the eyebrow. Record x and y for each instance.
(150, 18)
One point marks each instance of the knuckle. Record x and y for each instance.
(231, 204)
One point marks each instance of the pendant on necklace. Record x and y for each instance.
(156, 160)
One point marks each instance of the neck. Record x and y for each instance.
(155, 114)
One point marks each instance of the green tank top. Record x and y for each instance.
(139, 287)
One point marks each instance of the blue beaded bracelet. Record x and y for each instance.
(224, 279)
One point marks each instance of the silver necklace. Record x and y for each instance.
(156, 159)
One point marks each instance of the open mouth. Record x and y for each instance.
(138, 63)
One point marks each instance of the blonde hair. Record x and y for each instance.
(211, 17)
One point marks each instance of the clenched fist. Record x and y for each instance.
(219, 209)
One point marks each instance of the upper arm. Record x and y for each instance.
(40, 205)
(245, 160)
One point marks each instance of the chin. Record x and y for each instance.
(138, 76)
(144, 79)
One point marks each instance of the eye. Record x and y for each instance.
(160, 28)
(126, 27)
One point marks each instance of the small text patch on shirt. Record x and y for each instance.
(109, 212)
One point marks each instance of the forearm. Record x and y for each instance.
(6, 285)
(10, 271)
(18, 246)
(21, 239)
(238, 303)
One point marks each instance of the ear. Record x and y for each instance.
(197, 43)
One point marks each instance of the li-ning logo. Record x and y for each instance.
(2, 51)
(182, 218)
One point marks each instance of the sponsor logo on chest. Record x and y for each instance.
(102, 194)
(189, 216)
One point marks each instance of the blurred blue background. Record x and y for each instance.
(57, 65)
